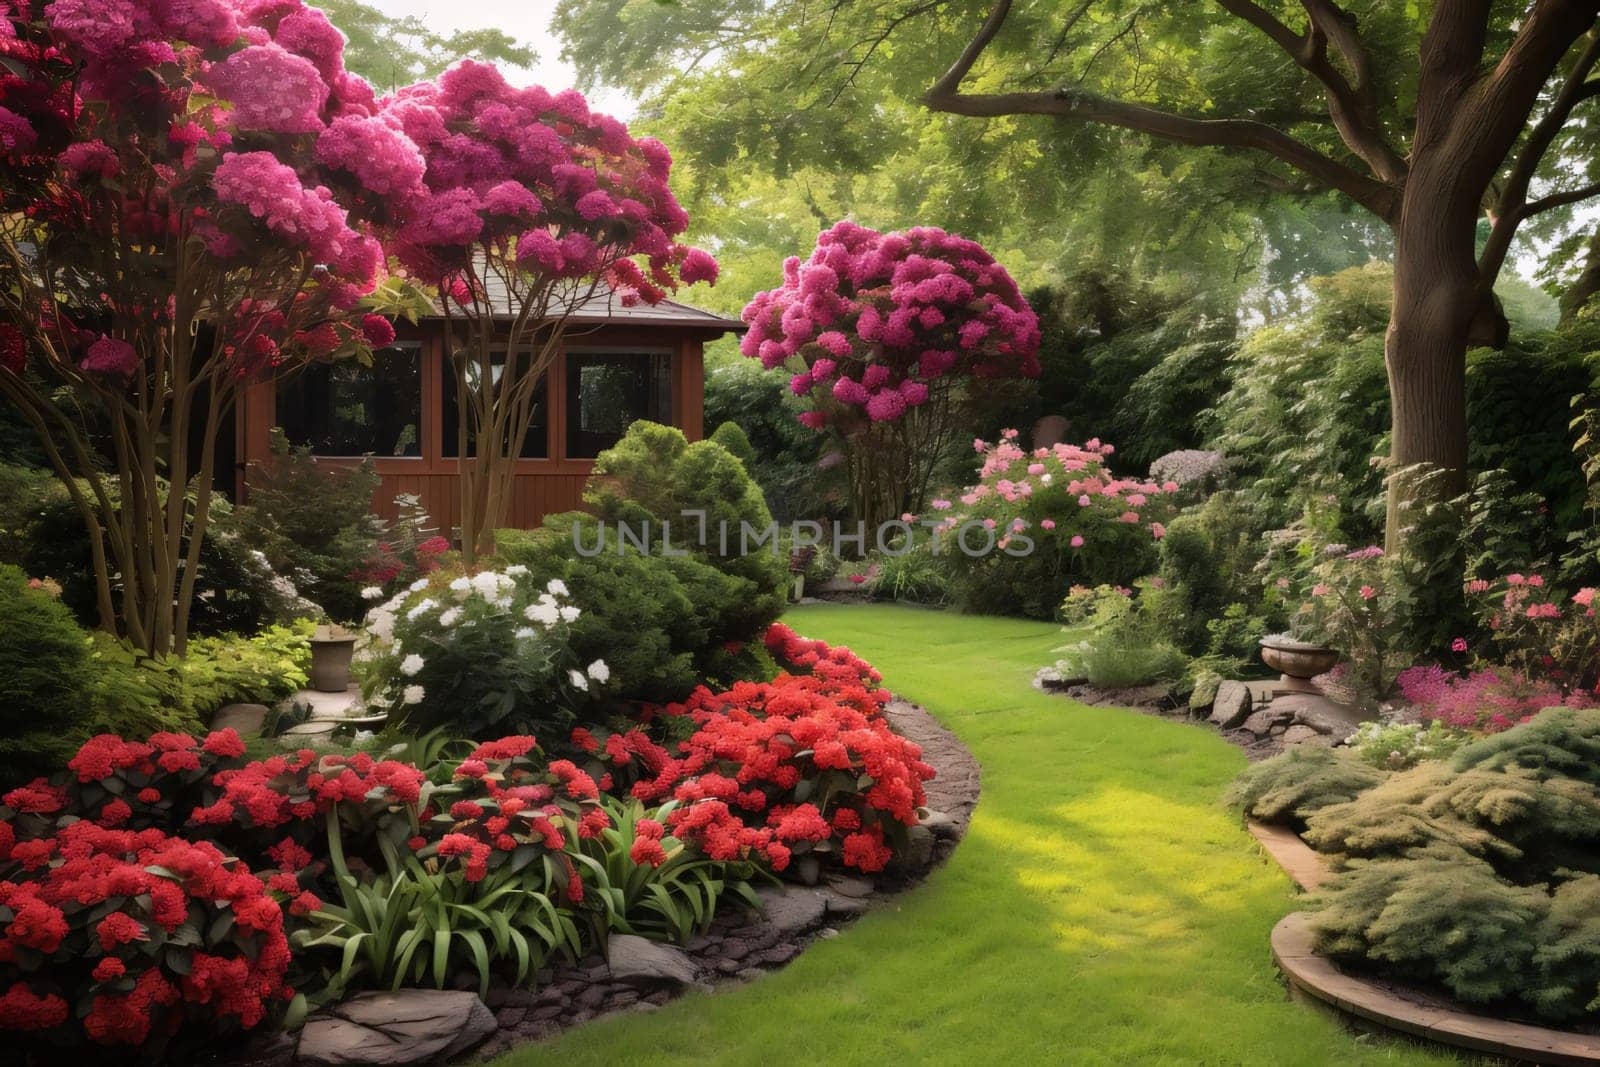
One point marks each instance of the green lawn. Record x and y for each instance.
(1103, 908)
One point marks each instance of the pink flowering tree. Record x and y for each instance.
(885, 335)
(527, 208)
(179, 219)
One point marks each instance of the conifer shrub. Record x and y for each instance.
(1287, 789)
(1435, 916)
(1526, 828)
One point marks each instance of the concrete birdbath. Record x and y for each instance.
(1297, 661)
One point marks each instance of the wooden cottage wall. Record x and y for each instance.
(543, 486)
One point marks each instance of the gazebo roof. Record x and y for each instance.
(605, 307)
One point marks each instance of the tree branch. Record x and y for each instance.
(1352, 107)
(946, 96)
(1562, 199)
(1509, 95)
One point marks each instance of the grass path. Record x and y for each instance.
(1102, 910)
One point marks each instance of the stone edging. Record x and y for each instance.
(1431, 1018)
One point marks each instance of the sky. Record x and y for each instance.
(527, 21)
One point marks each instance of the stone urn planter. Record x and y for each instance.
(1296, 661)
(332, 648)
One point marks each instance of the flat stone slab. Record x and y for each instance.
(406, 1026)
(1305, 865)
(246, 719)
(792, 909)
(641, 962)
(343, 705)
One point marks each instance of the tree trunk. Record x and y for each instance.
(1439, 308)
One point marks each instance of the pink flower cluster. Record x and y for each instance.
(872, 322)
(475, 167)
(1064, 492)
(189, 121)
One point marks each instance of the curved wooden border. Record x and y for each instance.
(1429, 1018)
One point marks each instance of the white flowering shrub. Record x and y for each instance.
(483, 655)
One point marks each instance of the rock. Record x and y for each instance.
(1204, 692)
(510, 1015)
(780, 953)
(639, 962)
(842, 905)
(1261, 722)
(622, 998)
(806, 870)
(1300, 734)
(733, 949)
(405, 1026)
(729, 966)
(919, 848)
(827, 932)
(510, 996)
(1232, 705)
(592, 997)
(941, 824)
(549, 1011)
(246, 719)
(848, 886)
(791, 910)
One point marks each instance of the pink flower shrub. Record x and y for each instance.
(1487, 701)
(497, 178)
(872, 323)
(1539, 631)
(1064, 513)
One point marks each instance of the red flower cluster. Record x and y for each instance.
(508, 806)
(269, 793)
(835, 664)
(99, 929)
(749, 778)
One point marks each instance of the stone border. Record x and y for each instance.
(1391, 1006)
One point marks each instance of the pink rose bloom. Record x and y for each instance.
(1083, 501)
(1367, 592)
(1535, 580)
(1458, 645)
(1047, 524)
(988, 524)
(1319, 590)
(941, 505)
(1018, 525)
(1515, 579)
(977, 444)
(1077, 541)
(1157, 530)
(1584, 597)
(1036, 469)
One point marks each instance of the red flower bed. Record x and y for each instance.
(111, 920)
(803, 764)
(129, 934)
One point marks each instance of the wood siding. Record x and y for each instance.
(544, 486)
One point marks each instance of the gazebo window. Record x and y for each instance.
(535, 446)
(342, 408)
(608, 391)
